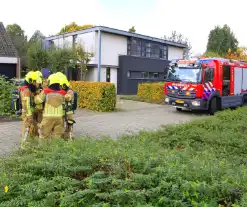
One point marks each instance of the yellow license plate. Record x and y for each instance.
(179, 101)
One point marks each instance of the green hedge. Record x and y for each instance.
(202, 163)
(6, 89)
(97, 96)
(151, 92)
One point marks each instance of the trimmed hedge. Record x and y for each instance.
(151, 92)
(97, 96)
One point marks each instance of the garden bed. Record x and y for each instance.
(202, 163)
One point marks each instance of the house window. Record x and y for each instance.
(144, 48)
(145, 75)
(142, 75)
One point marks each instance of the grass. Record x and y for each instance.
(202, 163)
(137, 98)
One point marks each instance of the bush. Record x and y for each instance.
(202, 163)
(6, 89)
(151, 92)
(97, 96)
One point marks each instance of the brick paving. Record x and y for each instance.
(131, 118)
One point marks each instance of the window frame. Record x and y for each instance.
(212, 75)
(144, 48)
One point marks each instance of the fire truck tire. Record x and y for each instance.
(213, 106)
(178, 109)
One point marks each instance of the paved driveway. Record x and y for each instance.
(131, 118)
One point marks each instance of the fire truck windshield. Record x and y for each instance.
(184, 74)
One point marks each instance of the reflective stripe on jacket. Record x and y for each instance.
(26, 101)
(54, 102)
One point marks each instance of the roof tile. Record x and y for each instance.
(7, 48)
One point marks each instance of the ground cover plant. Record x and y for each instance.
(202, 163)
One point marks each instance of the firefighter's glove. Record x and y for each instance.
(68, 97)
(70, 122)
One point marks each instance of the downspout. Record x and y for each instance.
(99, 54)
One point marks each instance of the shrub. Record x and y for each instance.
(151, 92)
(202, 163)
(98, 96)
(6, 89)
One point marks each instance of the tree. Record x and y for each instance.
(61, 59)
(36, 37)
(74, 27)
(37, 58)
(239, 54)
(213, 54)
(20, 41)
(179, 38)
(82, 58)
(132, 29)
(221, 39)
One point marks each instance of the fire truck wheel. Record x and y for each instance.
(178, 109)
(213, 106)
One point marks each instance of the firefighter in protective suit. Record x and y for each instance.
(39, 107)
(27, 92)
(53, 98)
(68, 116)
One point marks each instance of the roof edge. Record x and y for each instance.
(117, 32)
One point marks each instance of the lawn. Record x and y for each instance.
(202, 163)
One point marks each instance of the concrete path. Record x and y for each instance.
(132, 117)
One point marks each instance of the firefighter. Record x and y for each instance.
(68, 116)
(27, 92)
(53, 98)
(39, 107)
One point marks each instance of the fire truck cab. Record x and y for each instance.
(210, 84)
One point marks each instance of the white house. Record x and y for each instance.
(9, 61)
(121, 57)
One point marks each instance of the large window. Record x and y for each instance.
(143, 48)
(208, 75)
(185, 74)
(142, 75)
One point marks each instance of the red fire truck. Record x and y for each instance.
(208, 84)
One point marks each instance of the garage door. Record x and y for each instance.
(8, 70)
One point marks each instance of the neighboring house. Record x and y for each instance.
(123, 58)
(9, 61)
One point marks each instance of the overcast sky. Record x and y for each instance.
(193, 18)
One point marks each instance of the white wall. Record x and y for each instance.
(111, 47)
(9, 60)
(91, 75)
(113, 78)
(174, 52)
(88, 41)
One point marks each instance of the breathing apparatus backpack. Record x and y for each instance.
(16, 102)
(74, 106)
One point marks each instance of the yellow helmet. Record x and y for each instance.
(64, 82)
(53, 79)
(39, 80)
(61, 75)
(63, 79)
(31, 77)
(39, 74)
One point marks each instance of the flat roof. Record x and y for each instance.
(117, 32)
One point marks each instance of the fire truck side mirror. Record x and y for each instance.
(204, 65)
